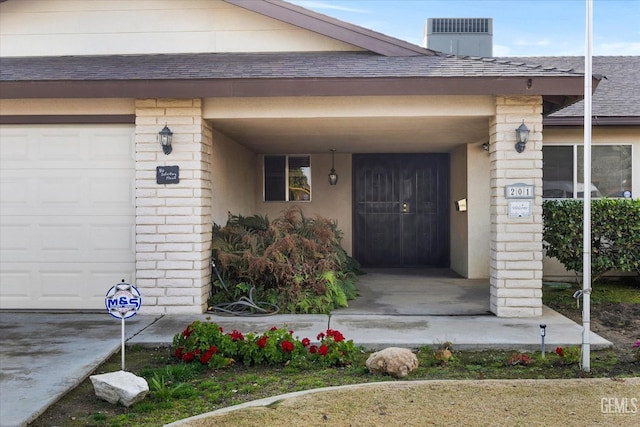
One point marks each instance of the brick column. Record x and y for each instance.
(516, 243)
(173, 221)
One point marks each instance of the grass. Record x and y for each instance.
(560, 295)
(179, 390)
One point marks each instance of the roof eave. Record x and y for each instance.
(557, 92)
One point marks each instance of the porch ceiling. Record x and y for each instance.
(354, 135)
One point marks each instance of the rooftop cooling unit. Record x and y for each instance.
(460, 36)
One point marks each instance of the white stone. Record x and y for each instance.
(120, 386)
(395, 361)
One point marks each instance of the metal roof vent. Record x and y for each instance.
(460, 36)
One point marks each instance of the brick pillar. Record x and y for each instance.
(516, 243)
(173, 221)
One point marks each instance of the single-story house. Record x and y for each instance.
(258, 95)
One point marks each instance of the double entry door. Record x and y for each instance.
(401, 210)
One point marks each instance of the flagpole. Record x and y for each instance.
(586, 270)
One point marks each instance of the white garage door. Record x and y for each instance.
(67, 214)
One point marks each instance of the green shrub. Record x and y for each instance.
(615, 234)
(277, 346)
(294, 262)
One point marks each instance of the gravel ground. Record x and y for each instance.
(578, 402)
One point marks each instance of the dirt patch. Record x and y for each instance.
(488, 402)
(616, 322)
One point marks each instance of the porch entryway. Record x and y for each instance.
(400, 210)
(418, 292)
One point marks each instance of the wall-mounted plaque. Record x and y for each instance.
(167, 174)
(519, 208)
(519, 191)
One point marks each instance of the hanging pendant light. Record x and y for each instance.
(333, 176)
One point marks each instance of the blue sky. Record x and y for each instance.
(520, 27)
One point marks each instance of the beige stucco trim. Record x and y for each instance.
(343, 106)
(72, 106)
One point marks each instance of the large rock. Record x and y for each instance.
(395, 361)
(121, 386)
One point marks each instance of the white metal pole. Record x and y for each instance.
(122, 333)
(586, 270)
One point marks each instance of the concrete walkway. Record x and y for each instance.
(44, 355)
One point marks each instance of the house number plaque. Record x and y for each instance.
(519, 191)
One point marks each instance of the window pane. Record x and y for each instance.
(274, 178)
(557, 172)
(610, 170)
(299, 178)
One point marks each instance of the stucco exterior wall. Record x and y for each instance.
(459, 219)
(328, 201)
(233, 173)
(470, 230)
(479, 212)
(105, 27)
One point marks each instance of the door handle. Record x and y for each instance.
(405, 207)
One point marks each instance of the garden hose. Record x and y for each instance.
(245, 306)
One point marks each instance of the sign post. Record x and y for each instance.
(123, 301)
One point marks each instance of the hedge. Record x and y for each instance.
(615, 234)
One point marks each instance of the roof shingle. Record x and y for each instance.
(261, 65)
(618, 93)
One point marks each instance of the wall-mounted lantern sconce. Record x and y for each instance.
(164, 137)
(485, 146)
(522, 136)
(333, 176)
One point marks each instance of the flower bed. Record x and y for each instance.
(210, 345)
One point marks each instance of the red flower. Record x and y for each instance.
(320, 336)
(323, 350)
(204, 359)
(178, 353)
(197, 352)
(337, 336)
(290, 332)
(306, 342)
(236, 335)
(188, 357)
(313, 349)
(220, 329)
(287, 346)
(559, 351)
(273, 328)
(186, 332)
(262, 342)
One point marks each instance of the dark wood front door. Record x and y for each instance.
(401, 209)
